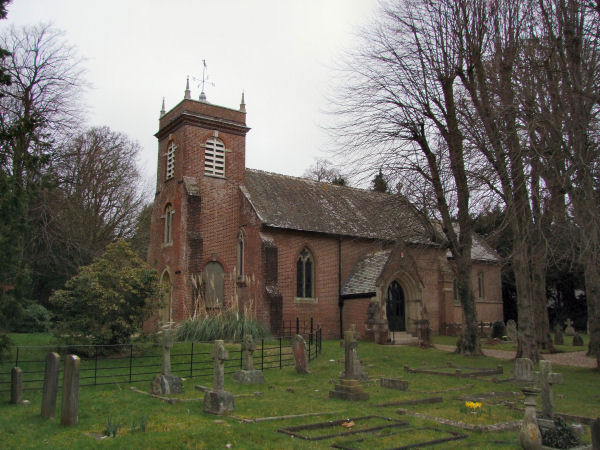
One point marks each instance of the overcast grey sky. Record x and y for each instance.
(280, 52)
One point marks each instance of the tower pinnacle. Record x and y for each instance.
(243, 103)
(187, 94)
(162, 110)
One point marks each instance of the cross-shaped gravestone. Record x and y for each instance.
(352, 368)
(220, 355)
(166, 344)
(547, 378)
(569, 330)
(248, 347)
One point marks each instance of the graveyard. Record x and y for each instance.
(354, 394)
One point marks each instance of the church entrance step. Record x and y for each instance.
(403, 338)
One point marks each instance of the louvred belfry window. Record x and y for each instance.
(214, 158)
(170, 172)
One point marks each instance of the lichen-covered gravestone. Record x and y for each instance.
(349, 387)
(569, 330)
(530, 436)
(248, 375)
(511, 330)
(166, 382)
(300, 354)
(50, 385)
(218, 401)
(558, 335)
(547, 378)
(16, 385)
(70, 391)
(524, 374)
(577, 340)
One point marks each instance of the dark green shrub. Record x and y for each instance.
(36, 319)
(107, 301)
(498, 330)
(5, 343)
(561, 436)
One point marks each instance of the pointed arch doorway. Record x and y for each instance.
(395, 307)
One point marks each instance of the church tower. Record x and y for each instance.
(195, 217)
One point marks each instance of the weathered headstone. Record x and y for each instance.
(352, 368)
(530, 435)
(248, 375)
(50, 385)
(70, 391)
(595, 430)
(349, 387)
(300, 354)
(218, 401)
(166, 382)
(524, 371)
(16, 385)
(394, 383)
(577, 340)
(547, 378)
(511, 330)
(569, 330)
(558, 335)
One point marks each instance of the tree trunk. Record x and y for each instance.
(468, 343)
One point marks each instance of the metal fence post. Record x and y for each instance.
(17, 360)
(130, 360)
(280, 338)
(262, 354)
(95, 364)
(192, 361)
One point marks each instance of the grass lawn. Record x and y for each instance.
(184, 425)
(512, 346)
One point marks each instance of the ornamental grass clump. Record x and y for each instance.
(229, 326)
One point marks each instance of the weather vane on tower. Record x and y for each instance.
(204, 81)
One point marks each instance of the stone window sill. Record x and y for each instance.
(307, 300)
(167, 244)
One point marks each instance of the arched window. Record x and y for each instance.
(304, 275)
(170, 167)
(167, 298)
(212, 278)
(240, 255)
(168, 232)
(214, 157)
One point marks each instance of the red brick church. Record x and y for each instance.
(224, 236)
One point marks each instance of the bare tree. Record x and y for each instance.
(96, 201)
(400, 113)
(42, 100)
(324, 170)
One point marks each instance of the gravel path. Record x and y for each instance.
(575, 359)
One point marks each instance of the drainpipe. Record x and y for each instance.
(340, 300)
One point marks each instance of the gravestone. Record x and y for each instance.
(16, 385)
(349, 387)
(394, 383)
(166, 382)
(50, 389)
(248, 375)
(300, 354)
(70, 391)
(547, 378)
(530, 436)
(524, 374)
(569, 330)
(511, 330)
(558, 335)
(595, 430)
(577, 340)
(218, 401)
(352, 367)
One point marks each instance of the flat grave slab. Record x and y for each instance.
(410, 437)
(362, 424)
(459, 372)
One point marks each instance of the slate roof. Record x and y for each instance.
(364, 274)
(282, 201)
